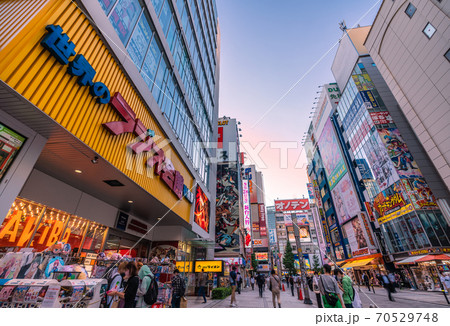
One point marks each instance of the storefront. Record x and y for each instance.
(372, 265)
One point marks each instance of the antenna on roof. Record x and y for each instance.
(342, 25)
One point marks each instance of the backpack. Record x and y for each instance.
(151, 296)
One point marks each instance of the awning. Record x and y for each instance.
(433, 257)
(357, 263)
(410, 260)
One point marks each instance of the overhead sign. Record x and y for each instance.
(291, 205)
(260, 242)
(209, 266)
(261, 256)
(247, 219)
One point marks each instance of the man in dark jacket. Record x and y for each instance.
(260, 280)
(291, 283)
(178, 288)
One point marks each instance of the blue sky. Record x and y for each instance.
(266, 46)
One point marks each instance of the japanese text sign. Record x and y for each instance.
(291, 205)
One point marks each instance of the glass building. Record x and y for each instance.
(158, 32)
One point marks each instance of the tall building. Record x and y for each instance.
(105, 106)
(409, 43)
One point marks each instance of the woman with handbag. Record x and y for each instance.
(328, 287)
(274, 287)
(131, 285)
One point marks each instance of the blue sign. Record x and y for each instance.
(62, 49)
(122, 221)
(369, 99)
(353, 111)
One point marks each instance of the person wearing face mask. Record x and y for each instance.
(114, 275)
(131, 285)
(345, 284)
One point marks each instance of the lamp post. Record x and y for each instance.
(307, 299)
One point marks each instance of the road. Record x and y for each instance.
(403, 299)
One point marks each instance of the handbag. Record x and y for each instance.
(331, 299)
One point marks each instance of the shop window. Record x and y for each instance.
(438, 229)
(75, 231)
(429, 230)
(107, 5)
(447, 55)
(410, 10)
(138, 44)
(429, 30)
(94, 237)
(123, 18)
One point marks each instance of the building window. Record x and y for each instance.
(429, 30)
(410, 10)
(447, 55)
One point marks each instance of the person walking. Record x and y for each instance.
(233, 283)
(346, 287)
(275, 287)
(178, 289)
(372, 282)
(260, 280)
(328, 287)
(387, 285)
(146, 276)
(202, 278)
(239, 282)
(291, 283)
(316, 289)
(393, 282)
(252, 282)
(366, 281)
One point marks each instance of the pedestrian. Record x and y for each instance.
(178, 289)
(202, 278)
(291, 283)
(275, 288)
(114, 276)
(239, 282)
(146, 276)
(233, 283)
(372, 282)
(346, 286)
(316, 289)
(398, 280)
(328, 287)
(260, 280)
(130, 284)
(366, 281)
(393, 282)
(445, 280)
(387, 285)
(252, 281)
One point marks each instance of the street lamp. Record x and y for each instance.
(301, 260)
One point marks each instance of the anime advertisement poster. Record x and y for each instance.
(11, 264)
(227, 210)
(310, 190)
(381, 165)
(247, 214)
(332, 159)
(302, 219)
(391, 203)
(305, 235)
(363, 82)
(201, 213)
(287, 219)
(419, 193)
(345, 200)
(399, 153)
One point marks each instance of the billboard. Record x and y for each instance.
(310, 190)
(10, 144)
(287, 219)
(330, 151)
(227, 210)
(261, 256)
(305, 235)
(302, 219)
(291, 205)
(381, 118)
(262, 220)
(260, 242)
(345, 200)
(391, 203)
(419, 193)
(247, 218)
(272, 236)
(227, 140)
(201, 213)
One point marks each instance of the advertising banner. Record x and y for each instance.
(260, 242)
(305, 235)
(291, 205)
(302, 219)
(345, 200)
(381, 118)
(247, 219)
(272, 236)
(227, 210)
(255, 227)
(391, 203)
(363, 82)
(209, 266)
(261, 256)
(227, 141)
(310, 190)
(369, 100)
(287, 219)
(332, 159)
(10, 144)
(262, 220)
(419, 193)
(399, 153)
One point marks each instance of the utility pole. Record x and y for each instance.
(307, 299)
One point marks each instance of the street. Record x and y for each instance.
(403, 299)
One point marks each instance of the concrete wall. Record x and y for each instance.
(418, 74)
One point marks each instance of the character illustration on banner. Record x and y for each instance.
(359, 234)
(53, 265)
(201, 213)
(31, 270)
(10, 265)
(423, 193)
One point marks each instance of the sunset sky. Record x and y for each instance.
(266, 47)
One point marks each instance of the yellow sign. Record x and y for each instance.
(185, 266)
(402, 211)
(209, 266)
(223, 123)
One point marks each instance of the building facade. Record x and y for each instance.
(409, 43)
(108, 104)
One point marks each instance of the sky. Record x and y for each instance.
(266, 47)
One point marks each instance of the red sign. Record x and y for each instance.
(137, 226)
(201, 213)
(262, 220)
(220, 139)
(381, 118)
(291, 205)
(162, 166)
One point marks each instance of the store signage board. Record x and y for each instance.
(62, 49)
(291, 205)
(210, 266)
(247, 219)
(262, 220)
(185, 266)
(122, 221)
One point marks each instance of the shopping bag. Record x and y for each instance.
(183, 303)
(357, 301)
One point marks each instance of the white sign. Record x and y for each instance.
(247, 219)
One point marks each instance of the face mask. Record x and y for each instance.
(122, 275)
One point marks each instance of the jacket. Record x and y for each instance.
(348, 289)
(276, 284)
(146, 276)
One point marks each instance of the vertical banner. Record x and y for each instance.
(262, 220)
(310, 190)
(247, 218)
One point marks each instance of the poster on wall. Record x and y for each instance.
(287, 219)
(356, 245)
(399, 153)
(332, 159)
(302, 219)
(227, 210)
(419, 193)
(345, 200)
(305, 235)
(262, 220)
(10, 144)
(201, 213)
